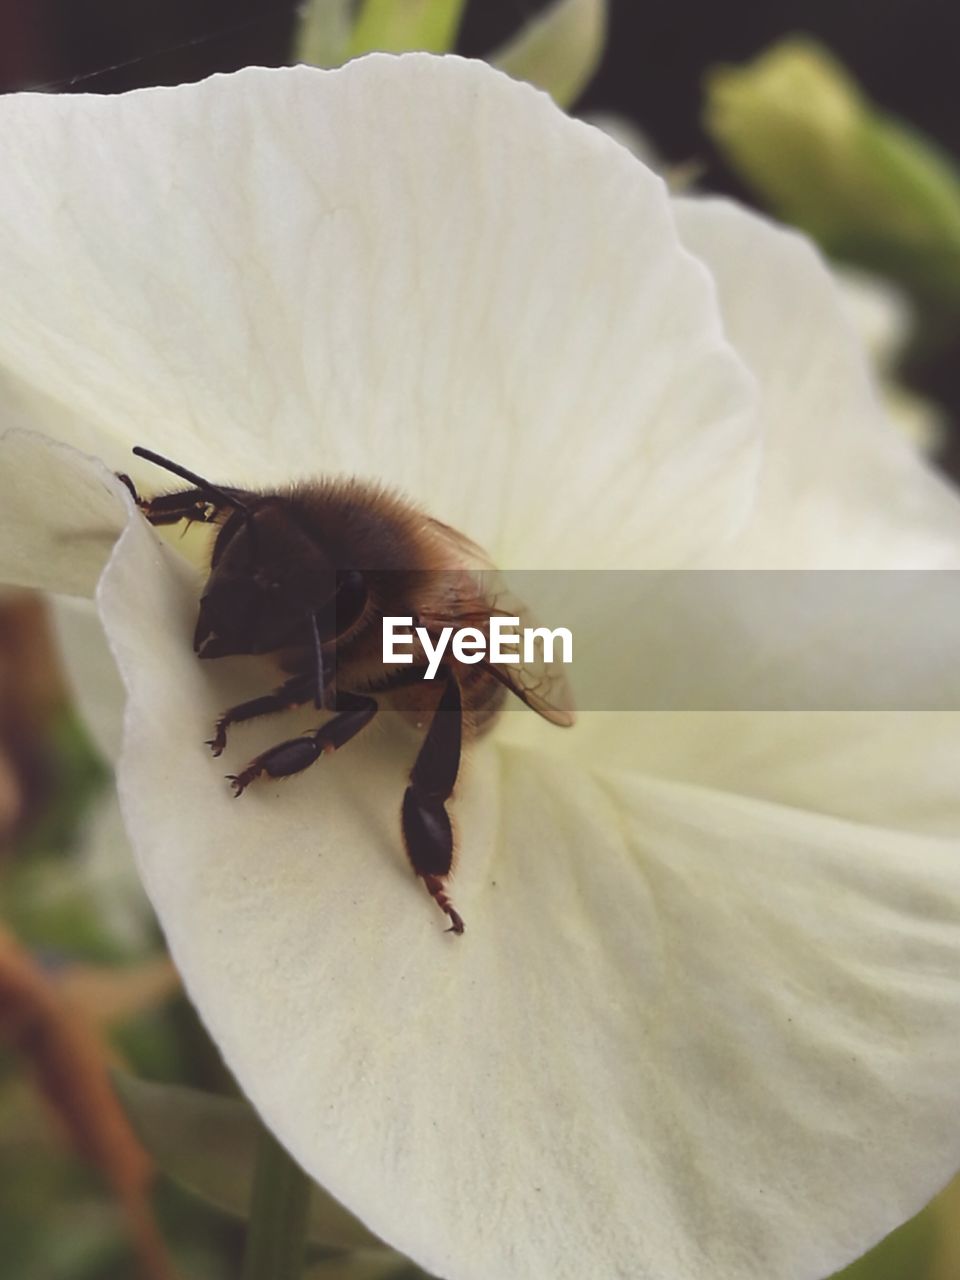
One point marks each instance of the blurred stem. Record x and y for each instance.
(68, 1061)
(277, 1228)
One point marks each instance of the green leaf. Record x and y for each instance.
(559, 50)
(907, 1252)
(208, 1145)
(323, 33)
(796, 127)
(395, 26)
(277, 1225)
(366, 1264)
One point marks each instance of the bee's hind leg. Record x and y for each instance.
(355, 711)
(427, 832)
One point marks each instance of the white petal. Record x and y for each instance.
(60, 513)
(105, 855)
(108, 873)
(410, 269)
(684, 1034)
(884, 319)
(91, 672)
(879, 313)
(894, 769)
(840, 487)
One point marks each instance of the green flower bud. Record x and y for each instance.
(796, 127)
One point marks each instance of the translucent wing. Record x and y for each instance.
(476, 593)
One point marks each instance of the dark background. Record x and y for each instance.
(904, 53)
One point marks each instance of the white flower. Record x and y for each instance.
(706, 1017)
(884, 319)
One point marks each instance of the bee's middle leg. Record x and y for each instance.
(292, 693)
(354, 712)
(427, 832)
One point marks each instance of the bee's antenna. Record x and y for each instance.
(190, 476)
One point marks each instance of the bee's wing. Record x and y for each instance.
(542, 685)
(480, 593)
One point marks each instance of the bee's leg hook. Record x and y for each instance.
(128, 483)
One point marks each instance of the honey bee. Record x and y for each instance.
(305, 576)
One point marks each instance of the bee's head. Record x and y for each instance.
(271, 583)
(268, 579)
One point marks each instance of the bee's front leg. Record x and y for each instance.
(171, 508)
(293, 693)
(355, 711)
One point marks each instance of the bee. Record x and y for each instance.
(305, 576)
